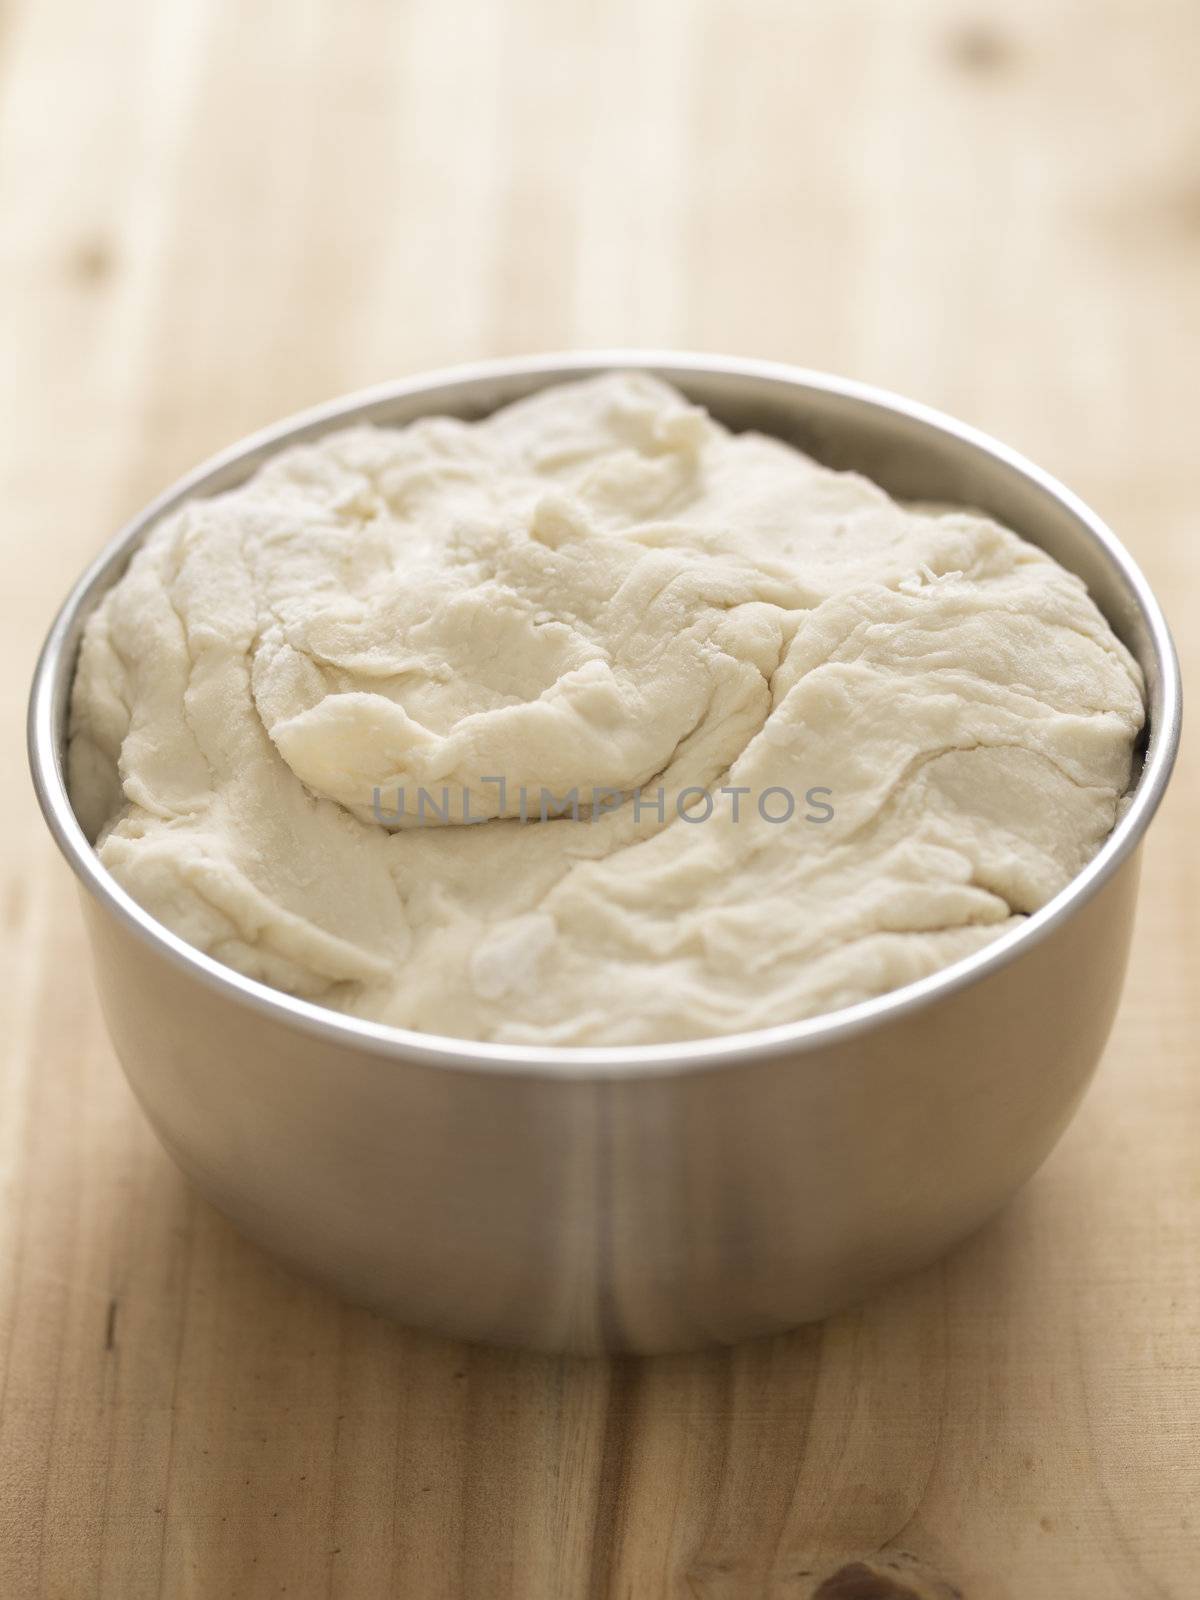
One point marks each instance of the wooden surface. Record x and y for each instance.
(217, 212)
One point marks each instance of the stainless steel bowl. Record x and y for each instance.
(622, 1198)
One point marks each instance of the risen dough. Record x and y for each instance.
(596, 590)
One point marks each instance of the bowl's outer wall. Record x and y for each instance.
(648, 1213)
(654, 1210)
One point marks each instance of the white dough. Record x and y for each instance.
(597, 590)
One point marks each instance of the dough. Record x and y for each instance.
(794, 744)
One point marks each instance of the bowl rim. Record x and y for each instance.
(325, 1025)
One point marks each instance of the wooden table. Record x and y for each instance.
(215, 213)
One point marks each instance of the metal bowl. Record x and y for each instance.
(624, 1198)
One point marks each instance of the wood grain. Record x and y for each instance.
(215, 213)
